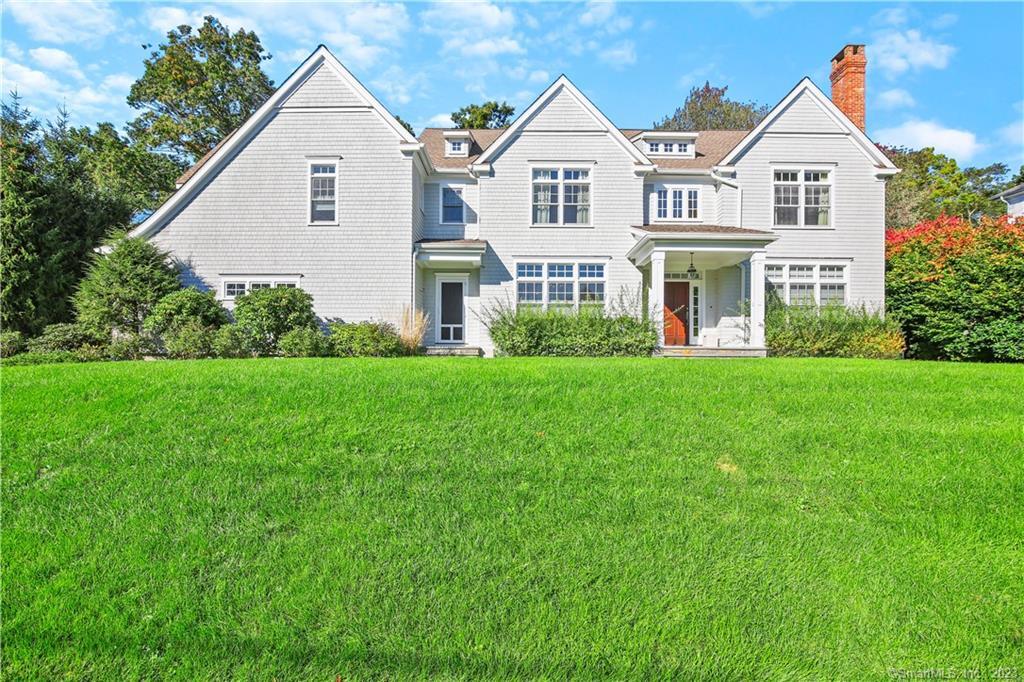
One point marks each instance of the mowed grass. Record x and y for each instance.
(514, 518)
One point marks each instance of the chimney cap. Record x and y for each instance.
(849, 50)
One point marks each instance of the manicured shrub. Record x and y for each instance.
(365, 339)
(303, 343)
(589, 332)
(131, 347)
(11, 343)
(63, 336)
(183, 306)
(46, 358)
(833, 331)
(265, 315)
(189, 340)
(957, 288)
(230, 342)
(121, 288)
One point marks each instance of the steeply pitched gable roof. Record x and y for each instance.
(321, 56)
(807, 86)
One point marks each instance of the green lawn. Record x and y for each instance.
(303, 519)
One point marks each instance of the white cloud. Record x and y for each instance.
(896, 98)
(944, 20)
(52, 59)
(960, 144)
(26, 80)
(352, 50)
(64, 21)
(619, 55)
(487, 47)
(440, 121)
(760, 10)
(601, 14)
(539, 76)
(1013, 134)
(12, 51)
(892, 16)
(695, 76)
(896, 52)
(457, 17)
(398, 87)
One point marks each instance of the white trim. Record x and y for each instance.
(842, 120)
(482, 163)
(158, 219)
(670, 189)
(462, 278)
(461, 189)
(561, 167)
(799, 169)
(815, 280)
(545, 279)
(249, 280)
(323, 161)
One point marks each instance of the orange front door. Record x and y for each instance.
(677, 310)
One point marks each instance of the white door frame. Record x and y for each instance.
(439, 279)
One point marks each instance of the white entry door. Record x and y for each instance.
(451, 308)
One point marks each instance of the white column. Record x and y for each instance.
(657, 297)
(757, 299)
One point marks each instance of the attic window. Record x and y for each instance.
(456, 146)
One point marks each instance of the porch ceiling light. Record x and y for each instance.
(691, 271)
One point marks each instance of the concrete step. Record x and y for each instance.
(460, 351)
(700, 352)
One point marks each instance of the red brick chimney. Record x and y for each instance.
(848, 68)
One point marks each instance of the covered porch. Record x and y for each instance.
(697, 282)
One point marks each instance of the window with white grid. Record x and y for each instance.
(560, 284)
(802, 197)
(239, 285)
(561, 196)
(675, 203)
(809, 284)
(323, 193)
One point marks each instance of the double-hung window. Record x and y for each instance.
(662, 203)
(802, 197)
(560, 284)
(561, 196)
(323, 192)
(805, 284)
(452, 205)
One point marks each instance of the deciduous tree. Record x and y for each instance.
(486, 115)
(707, 108)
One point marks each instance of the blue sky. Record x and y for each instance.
(949, 75)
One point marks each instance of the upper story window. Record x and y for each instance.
(323, 194)
(561, 196)
(802, 198)
(452, 206)
(677, 203)
(654, 147)
(681, 146)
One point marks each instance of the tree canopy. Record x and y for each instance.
(64, 189)
(486, 115)
(707, 108)
(198, 87)
(931, 184)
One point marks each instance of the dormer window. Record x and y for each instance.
(456, 143)
(670, 143)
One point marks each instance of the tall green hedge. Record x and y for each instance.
(589, 332)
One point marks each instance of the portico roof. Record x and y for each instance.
(728, 244)
(433, 253)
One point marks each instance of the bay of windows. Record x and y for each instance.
(685, 204)
(804, 284)
(802, 198)
(561, 196)
(560, 284)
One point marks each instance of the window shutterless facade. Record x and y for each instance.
(676, 203)
(236, 285)
(452, 205)
(806, 284)
(323, 192)
(561, 197)
(802, 197)
(560, 284)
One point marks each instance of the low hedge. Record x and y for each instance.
(833, 331)
(365, 339)
(304, 343)
(11, 343)
(588, 332)
(64, 336)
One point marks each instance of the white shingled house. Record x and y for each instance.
(323, 189)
